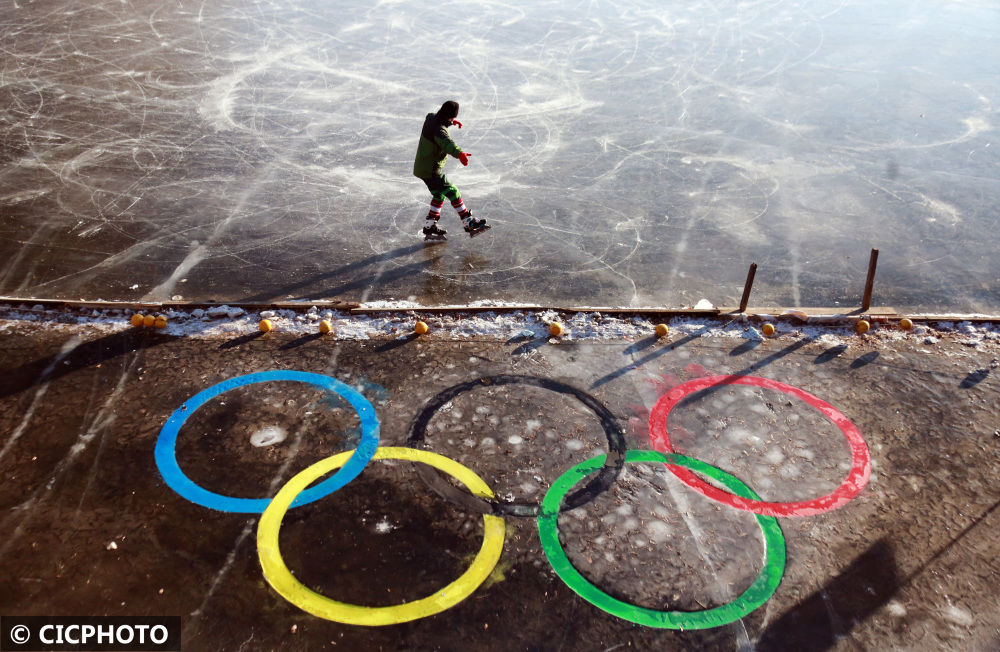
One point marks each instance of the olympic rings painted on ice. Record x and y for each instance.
(291, 589)
(757, 594)
(480, 497)
(852, 485)
(166, 443)
(606, 477)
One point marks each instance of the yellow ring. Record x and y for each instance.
(279, 577)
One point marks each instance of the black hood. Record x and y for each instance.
(448, 112)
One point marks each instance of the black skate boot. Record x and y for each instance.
(433, 233)
(472, 225)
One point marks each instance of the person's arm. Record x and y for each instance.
(444, 141)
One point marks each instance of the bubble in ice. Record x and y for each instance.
(268, 436)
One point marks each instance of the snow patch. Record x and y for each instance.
(523, 326)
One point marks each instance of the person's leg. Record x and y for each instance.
(452, 194)
(470, 223)
(455, 198)
(437, 201)
(434, 214)
(441, 187)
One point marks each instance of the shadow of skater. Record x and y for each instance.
(86, 354)
(343, 270)
(819, 621)
(404, 272)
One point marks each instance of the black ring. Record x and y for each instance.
(598, 484)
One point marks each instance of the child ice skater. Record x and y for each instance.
(432, 153)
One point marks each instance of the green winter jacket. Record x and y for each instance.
(434, 147)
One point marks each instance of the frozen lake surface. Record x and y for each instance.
(629, 153)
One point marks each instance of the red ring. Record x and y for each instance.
(851, 486)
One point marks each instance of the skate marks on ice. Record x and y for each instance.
(214, 151)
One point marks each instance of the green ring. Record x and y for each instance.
(762, 588)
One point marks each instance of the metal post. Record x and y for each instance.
(747, 286)
(870, 281)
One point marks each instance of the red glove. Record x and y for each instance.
(457, 123)
(464, 158)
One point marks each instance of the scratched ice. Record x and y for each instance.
(628, 153)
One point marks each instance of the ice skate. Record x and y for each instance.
(474, 226)
(434, 233)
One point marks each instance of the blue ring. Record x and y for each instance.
(166, 443)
